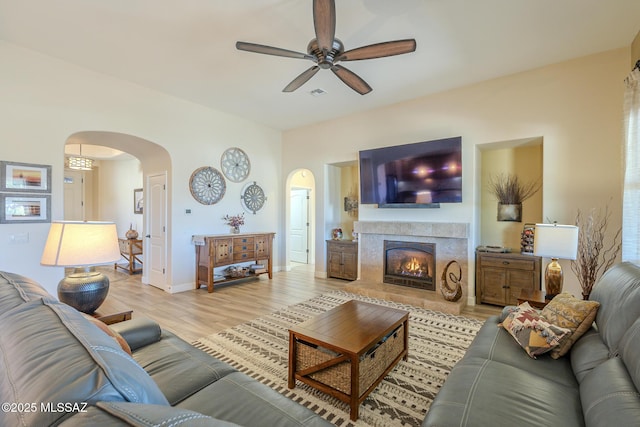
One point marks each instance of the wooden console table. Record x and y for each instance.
(131, 250)
(229, 249)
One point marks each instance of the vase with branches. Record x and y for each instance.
(510, 192)
(594, 255)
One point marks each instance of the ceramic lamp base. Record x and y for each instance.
(553, 279)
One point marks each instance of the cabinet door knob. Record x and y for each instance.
(505, 262)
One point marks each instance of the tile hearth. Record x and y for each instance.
(451, 240)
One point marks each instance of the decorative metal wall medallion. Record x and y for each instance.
(207, 185)
(235, 164)
(253, 197)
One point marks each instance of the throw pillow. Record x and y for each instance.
(113, 334)
(566, 311)
(534, 334)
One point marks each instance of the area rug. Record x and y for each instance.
(436, 342)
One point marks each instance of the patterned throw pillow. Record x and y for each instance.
(566, 311)
(534, 334)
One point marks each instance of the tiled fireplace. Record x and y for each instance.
(422, 239)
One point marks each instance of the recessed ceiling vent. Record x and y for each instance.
(318, 92)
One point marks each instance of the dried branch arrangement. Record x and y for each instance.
(593, 257)
(509, 190)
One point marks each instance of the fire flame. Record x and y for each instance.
(413, 265)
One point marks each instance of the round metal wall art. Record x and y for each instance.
(253, 197)
(207, 185)
(235, 164)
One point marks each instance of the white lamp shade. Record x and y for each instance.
(78, 244)
(556, 241)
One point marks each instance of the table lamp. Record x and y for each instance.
(556, 242)
(82, 245)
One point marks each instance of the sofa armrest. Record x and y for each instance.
(138, 332)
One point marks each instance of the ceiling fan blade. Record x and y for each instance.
(379, 50)
(301, 79)
(269, 50)
(324, 21)
(351, 79)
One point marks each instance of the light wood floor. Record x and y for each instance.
(197, 313)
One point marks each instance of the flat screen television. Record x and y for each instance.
(422, 174)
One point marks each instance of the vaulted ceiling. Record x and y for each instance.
(187, 48)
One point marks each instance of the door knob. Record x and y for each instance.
(148, 236)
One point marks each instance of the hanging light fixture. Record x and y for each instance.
(80, 163)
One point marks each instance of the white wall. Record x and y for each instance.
(45, 100)
(575, 106)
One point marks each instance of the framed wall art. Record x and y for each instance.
(25, 208)
(138, 201)
(25, 177)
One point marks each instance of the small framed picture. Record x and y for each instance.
(25, 177)
(25, 208)
(138, 201)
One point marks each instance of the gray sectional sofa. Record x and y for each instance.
(596, 384)
(58, 368)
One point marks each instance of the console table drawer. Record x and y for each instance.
(519, 264)
(243, 256)
(243, 242)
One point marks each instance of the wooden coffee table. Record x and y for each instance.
(348, 350)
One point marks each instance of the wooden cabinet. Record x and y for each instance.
(229, 249)
(500, 277)
(342, 259)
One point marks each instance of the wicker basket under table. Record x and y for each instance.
(324, 363)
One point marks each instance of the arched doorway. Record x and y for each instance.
(113, 195)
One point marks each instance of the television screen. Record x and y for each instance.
(421, 173)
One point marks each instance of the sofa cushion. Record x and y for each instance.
(630, 352)
(140, 415)
(609, 397)
(566, 311)
(587, 353)
(495, 343)
(618, 292)
(245, 401)
(84, 364)
(178, 368)
(480, 393)
(16, 290)
(114, 414)
(534, 334)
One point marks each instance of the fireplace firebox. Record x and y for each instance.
(410, 264)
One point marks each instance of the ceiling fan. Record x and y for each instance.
(326, 50)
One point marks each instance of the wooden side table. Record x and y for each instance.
(131, 250)
(110, 319)
(535, 298)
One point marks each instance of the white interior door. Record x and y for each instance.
(156, 226)
(73, 196)
(299, 226)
